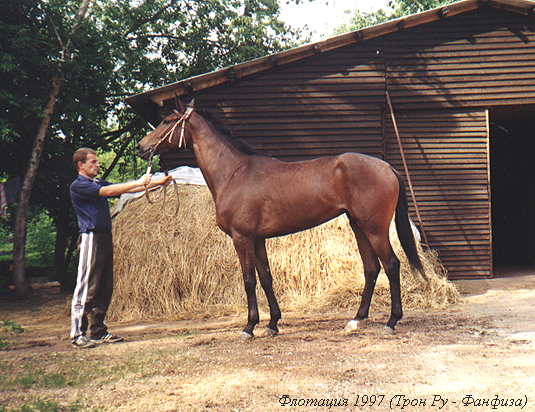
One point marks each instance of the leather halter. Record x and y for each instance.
(171, 133)
(181, 143)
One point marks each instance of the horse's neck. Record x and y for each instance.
(217, 158)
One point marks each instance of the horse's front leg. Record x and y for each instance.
(266, 280)
(245, 250)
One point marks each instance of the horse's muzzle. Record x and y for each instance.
(143, 152)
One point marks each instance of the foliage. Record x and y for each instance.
(41, 236)
(40, 240)
(124, 47)
(396, 9)
(406, 7)
(39, 249)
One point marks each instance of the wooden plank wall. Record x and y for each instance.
(328, 104)
(442, 77)
(479, 60)
(483, 58)
(446, 152)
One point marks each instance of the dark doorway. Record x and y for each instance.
(512, 176)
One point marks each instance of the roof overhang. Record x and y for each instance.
(147, 103)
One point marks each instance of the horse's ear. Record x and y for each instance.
(192, 103)
(179, 105)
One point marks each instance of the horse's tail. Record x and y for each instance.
(404, 229)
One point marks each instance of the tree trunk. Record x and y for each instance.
(66, 243)
(60, 249)
(73, 246)
(22, 286)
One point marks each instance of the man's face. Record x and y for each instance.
(90, 167)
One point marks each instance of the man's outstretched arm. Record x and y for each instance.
(133, 186)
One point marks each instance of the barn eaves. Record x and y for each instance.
(145, 103)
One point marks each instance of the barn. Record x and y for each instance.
(456, 84)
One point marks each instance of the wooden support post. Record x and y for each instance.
(424, 237)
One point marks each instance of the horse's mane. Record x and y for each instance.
(241, 145)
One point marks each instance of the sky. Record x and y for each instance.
(321, 17)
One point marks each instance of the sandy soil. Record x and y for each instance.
(480, 351)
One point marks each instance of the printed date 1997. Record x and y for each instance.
(403, 402)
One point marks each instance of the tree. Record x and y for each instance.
(19, 240)
(396, 9)
(121, 48)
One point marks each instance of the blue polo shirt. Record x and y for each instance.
(91, 209)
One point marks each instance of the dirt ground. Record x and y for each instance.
(475, 356)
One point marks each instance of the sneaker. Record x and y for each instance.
(107, 338)
(82, 342)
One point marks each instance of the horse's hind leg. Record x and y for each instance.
(371, 271)
(266, 280)
(391, 265)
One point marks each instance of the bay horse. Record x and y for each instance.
(258, 197)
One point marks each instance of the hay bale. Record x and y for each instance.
(183, 267)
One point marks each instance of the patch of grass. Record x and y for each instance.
(27, 381)
(58, 371)
(9, 327)
(12, 326)
(157, 362)
(37, 406)
(78, 405)
(41, 405)
(55, 380)
(43, 373)
(62, 371)
(6, 370)
(186, 332)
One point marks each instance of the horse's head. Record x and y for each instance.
(169, 135)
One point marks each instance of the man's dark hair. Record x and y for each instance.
(81, 156)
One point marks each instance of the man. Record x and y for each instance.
(94, 286)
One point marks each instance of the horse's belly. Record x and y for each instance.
(294, 220)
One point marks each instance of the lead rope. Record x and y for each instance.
(175, 187)
(164, 190)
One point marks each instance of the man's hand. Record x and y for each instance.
(165, 180)
(145, 179)
(159, 181)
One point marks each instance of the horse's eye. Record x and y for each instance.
(166, 122)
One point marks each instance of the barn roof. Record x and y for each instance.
(142, 102)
